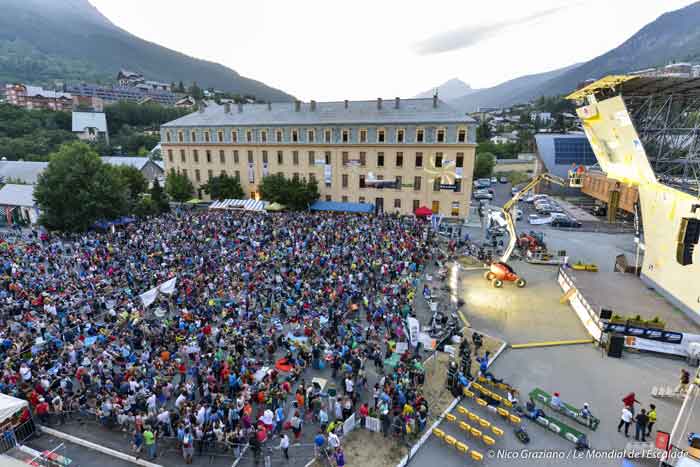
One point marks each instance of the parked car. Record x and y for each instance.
(599, 210)
(484, 182)
(503, 180)
(566, 222)
(494, 180)
(482, 195)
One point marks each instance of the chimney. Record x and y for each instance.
(379, 103)
(240, 107)
(435, 101)
(397, 103)
(227, 107)
(297, 106)
(269, 105)
(313, 106)
(346, 103)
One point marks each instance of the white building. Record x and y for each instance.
(90, 126)
(544, 117)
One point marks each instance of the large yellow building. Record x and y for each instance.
(394, 154)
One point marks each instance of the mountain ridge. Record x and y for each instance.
(71, 40)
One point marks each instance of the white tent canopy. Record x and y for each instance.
(9, 406)
(244, 204)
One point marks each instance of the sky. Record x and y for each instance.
(364, 49)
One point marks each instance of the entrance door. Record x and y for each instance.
(436, 207)
(379, 205)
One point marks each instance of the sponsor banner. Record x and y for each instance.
(327, 174)
(413, 330)
(448, 186)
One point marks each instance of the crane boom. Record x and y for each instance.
(505, 210)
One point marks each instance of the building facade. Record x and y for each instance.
(395, 154)
(597, 185)
(34, 97)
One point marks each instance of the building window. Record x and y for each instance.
(223, 173)
(363, 158)
(195, 155)
(250, 157)
(280, 158)
(263, 136)
(420, 135)
(416, 204)
(184, 172)
(363, 136)
(295, 136)
(206, 137)
(416, 183)
(362, 200)
(312, 156)
(167, 136)
(345, 199)
(436, 207)
(310, 136)
(220, 136)
(183, 158)
(196, 175)
(170, 155)
(441, 136)
(180, 137)
(461, 138)
(400, 135)
(235, 156)
(436, 184)
(193, 137)
(238, 174)
(419, 160)
(380, 159)
(249, 136)
(346, 136)
(345, 158)
(459, 160)
(278, 136)
(438, 159)
(210, 174)
(399, 181)
(329, 198)
(234, 136)
(327, 156)
(397, 203)
(362, 181)
(458, 185)
(381, 136)
(222, 157)
(399, 159)
(345, 180)
(280, 174)
(295, 157)
(312, 177)
(327, 136)
(264, 157)
(455, 209)
(208, 156)
(295, 176)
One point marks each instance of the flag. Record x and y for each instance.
(8, 213)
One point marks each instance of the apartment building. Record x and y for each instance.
(395, 154)
(35, 97)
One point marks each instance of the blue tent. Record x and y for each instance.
(342, 207)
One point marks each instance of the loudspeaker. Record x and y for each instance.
(616, 343)
(688, 237)
(605, 313)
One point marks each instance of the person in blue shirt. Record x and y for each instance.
(319, 442)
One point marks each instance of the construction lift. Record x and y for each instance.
(499, 271)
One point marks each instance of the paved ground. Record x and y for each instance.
(80, 456)
(580, 373)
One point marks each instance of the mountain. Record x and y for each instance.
(70, 40)
(673, 36)
(515, 91)
(449, 90)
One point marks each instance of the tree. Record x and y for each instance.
(179, 187)
(134, 180)
(180, 88)
(484, 164)
(196, 92)
(483, 132)
(77, 189)
(294, 193)
(224, 187)
(159, 198)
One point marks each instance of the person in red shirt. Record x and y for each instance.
(42, 410)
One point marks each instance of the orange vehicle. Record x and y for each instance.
(500, 272)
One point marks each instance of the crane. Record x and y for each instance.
(499, 271)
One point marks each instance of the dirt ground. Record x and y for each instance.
(367, 449)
